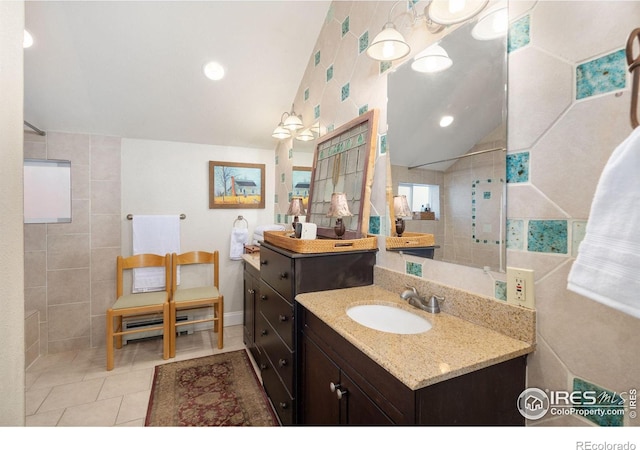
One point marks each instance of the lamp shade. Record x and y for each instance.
(449, 12)
(281, 133)
(401, 206)
(432, 59)
(296, 208)
(388, 45)
(492, 24)
(305, 135)
(339, 206)
(293, 122)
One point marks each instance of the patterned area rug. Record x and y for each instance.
(217, 390)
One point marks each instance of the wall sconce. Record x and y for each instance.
(389, 44)
(305, 135)
(296, 208)
(339, 209)
(449, 12)
(432, 59)
(400, 209)
(493, 23)
(289, 124)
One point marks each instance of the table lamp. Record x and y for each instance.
(339, 209)
(400, 209)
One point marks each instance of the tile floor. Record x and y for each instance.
(74, 388)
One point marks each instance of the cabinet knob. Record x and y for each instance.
(251, 291)
(282, 318)
(284, 276)
(338, 390)
(263, 297)
(284, 405)
(263, 332)
(263, 262)
(282, 362)
(263, 366)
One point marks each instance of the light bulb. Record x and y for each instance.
(446, 121)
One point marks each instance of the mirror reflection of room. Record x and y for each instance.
(447, 142)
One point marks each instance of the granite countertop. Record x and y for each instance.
(253, 259)
(452, 347)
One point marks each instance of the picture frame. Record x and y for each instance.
(301, 184)
(236, 185)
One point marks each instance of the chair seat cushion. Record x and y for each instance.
(196, 293)
(143, 299)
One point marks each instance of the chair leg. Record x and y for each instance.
(172, 329)
(166, 337)
(220, 322)
(109, 340)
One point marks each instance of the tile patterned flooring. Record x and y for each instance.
(74, 388)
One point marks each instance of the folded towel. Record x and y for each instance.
(608, 262)
(239, 237)
(260, 229)
(155, 234)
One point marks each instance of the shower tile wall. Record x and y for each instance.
(70, 268)
(561, 132)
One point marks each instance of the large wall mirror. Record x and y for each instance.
(456, 171)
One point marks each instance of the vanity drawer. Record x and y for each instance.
(282, 402)
(279, 355)
(277, 270)
(278, 311)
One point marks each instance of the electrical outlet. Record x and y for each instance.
(520, 287)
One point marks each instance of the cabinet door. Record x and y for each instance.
(357, 407)
(320, 406)
(251, 294)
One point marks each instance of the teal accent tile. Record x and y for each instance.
(345, 26)
(282, 177)
(547, 236)
(578, 230)
(500, 291)
(277, 159)
(515, 234)
(289, 196)
(330, 128)
(518, 167)
(363, 109)
(384, 66)
(363, 42)
(279, 218)
(329, 72)
(601, 75)
(291, 153)
(486, 195)
(306, 94)
(383, 144)
(316, 112)
(519, 34)
(374, 224)
(345, 92)
(412, 268)
(275, 198)
(316, 58)
(608, 404)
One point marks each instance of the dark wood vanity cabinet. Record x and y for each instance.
(283, 275)
(340, 385)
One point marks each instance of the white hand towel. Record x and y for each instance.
(157, 234)
(239, 237)
(607, 268)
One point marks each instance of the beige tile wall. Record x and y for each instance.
(70, 268)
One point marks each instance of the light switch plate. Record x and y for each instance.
(520, 287)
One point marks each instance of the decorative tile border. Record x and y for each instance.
(519, 34)
(547, 236)
(601, 75)
(518, 167)
(515, 234)
(412, 268)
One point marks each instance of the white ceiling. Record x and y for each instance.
(134, 69)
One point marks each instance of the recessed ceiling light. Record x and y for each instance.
(28, 40)
(214, 71)
(446, 121)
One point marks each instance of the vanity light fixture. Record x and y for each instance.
(305, 135)
(445, 121)
(493, 23)
(289, 125)
(213, 70)
(292, 121)
(27, 40)
(389, 44)
(449, 12)
(431, 60)
(400, 209)
(281, 132)
(339, 208)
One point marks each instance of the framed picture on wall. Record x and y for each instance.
(300, 183)
(236, 185)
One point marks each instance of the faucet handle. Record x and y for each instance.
(437, 298)
(412, 288)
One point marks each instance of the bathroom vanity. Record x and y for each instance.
(282, 276)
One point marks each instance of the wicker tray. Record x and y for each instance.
(409, 240)
(283, 239)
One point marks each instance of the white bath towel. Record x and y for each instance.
(258, 233)
(156, 234)
(239, 237)
(607, 268)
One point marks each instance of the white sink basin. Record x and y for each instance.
(389, 318)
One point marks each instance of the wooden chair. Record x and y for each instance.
(196, 297)
(139, 304)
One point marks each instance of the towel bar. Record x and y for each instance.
(241, 219)
(130, 216)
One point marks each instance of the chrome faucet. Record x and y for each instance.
(414, 299)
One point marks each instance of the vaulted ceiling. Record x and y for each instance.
(134, 69)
